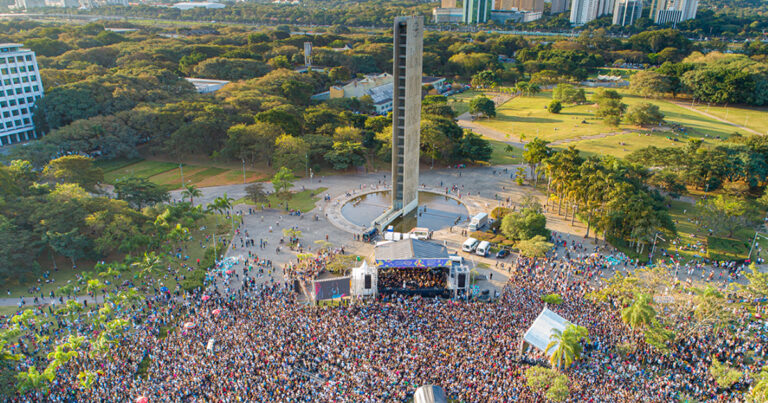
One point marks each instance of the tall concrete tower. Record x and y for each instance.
(406, 112)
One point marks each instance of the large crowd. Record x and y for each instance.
(412, 278)
(258, 343)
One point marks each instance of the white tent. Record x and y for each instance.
(538, 335)
(430, 394)
(359, 275)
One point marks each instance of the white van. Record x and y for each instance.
(483, 248)
(469, 245)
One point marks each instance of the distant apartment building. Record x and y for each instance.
(447, 15)
(559, 6)
(673, 11)
(476, 11)
(520, 5)
(501, 17)
(20, 87)
(626, 12)
(584, 11)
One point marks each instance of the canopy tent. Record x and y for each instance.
(538, 335)
(430, 394)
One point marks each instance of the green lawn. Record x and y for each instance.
(168, 175)
(304, 200)
(527, 116)
(501, 156)
(621, 145)
(748, 116)
(141, 169)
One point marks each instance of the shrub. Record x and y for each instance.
(555, 106)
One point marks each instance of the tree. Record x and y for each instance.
(566, 345)
(649, 83)
(536, 247)
(340, 74)
(140, 192)
(190, 192)
(640, 313)
(759, 391)
(757, 284)
(345, 154)
(256, 193)
(554, 106)
(645, 114)
(472, 147)
(482, 106)
(291, 152)
(524, 224)
(552, 299)
(725, 214)
(71, 244)
(75, 169)
(283, 180)
(485, 79)
(568, 94)
(536, 151)
(553, 383)
(610, 110)
(724, 375)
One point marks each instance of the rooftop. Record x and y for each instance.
(411, 249)
(538, 335)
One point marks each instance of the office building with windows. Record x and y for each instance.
(584, 11)
(673, 11)
(477, 11)
(20, 87)
(626, 12)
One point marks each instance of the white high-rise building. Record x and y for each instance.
(673, 11)
(20, 87)
(626, 12)
(584, 11)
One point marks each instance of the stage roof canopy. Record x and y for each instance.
(538, 335)
(411, 249)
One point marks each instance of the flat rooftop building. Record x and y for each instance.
(20, 88)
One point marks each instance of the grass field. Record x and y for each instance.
(527, 116)
(304, 200)
(501, 156)
(748, 116)
(168, 174)
(621, 145)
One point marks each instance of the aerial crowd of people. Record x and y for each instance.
(257, 342)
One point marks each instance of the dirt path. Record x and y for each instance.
(711, 116)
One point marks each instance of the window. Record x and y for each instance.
(23, 69)
(14, 70)
(23, 111)
(4, 71)
(15, 112)
(31, 68)
(24, 79)
(2, 60)
(12, 102)
(34, 87)
(17, 122)
(19, 59)
(3, 104)
(22, 101)
(30, 100)
(18, 90)
(16, 80)
(7, 82)
(28, 57)
(7, 114)
(26, 121)
(33, 78)
(27, 89)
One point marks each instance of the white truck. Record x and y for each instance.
(478, 221)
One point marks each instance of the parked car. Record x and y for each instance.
(502, 253)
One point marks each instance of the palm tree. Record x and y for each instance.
(191, 191)
(759, 392)
(640, 313)
(566, 345)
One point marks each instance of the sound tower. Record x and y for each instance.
(367, 281)
(296, 287)
(462, 280)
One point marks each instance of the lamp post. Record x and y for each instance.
(243, 171)
(653, 249)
